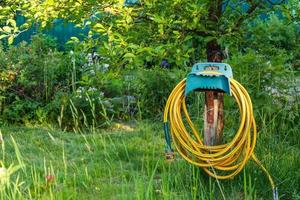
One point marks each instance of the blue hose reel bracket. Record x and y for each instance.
(209, 76)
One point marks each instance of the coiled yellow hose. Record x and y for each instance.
(230, 158)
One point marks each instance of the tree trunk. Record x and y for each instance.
(214, 102)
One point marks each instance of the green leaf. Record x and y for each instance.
(11, 39)
(44, 24)
(129, 55)
(2, 36)
(209, 38)
(99, 28)
(11, 22)
(7, 29)
(24, 26)
(75, 39)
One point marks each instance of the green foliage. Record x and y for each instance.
(150, 31)
(100, 96)
(272, 88)
(51, 87)
(275, 39)
(20, 111)
(153, 87)
(36, 82)
(138, 92)
(30, 78)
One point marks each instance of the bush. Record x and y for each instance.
(21, 111)
(31, 75)
(135, 93)
(152, 88)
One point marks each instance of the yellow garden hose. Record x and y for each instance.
(230, 158)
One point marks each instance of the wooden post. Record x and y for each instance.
(214, 102)
(213, 114)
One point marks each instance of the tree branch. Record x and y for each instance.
(199, 33)
(219, 8)
(215, 10)
(143, 18)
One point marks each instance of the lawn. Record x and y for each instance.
(128, 162)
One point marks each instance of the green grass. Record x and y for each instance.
(119, 164)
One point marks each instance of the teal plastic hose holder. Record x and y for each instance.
(209, 76)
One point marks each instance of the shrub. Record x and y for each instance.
(152, 87)
(32, 74)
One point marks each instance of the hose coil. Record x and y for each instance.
(221, 161)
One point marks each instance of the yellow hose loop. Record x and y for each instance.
(230, 158)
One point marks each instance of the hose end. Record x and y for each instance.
(275, 194)
(169, 153)
(170, 156)
(167, 136)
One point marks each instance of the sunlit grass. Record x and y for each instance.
(118, 164)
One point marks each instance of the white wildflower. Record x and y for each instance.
(3, 176)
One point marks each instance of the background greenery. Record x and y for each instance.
(41, 84)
